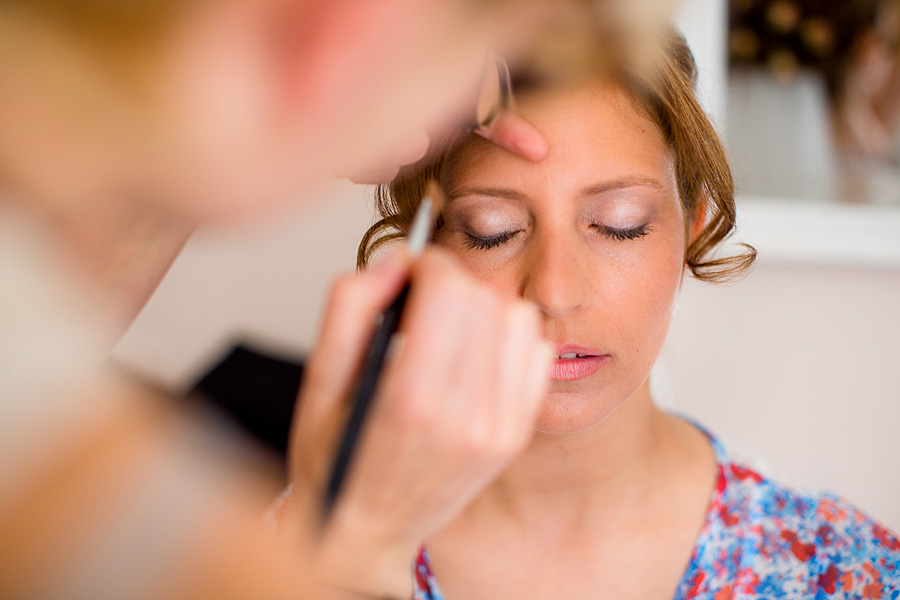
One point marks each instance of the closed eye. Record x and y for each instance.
(477, 242)
(621, 235)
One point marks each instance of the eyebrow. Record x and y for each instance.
(493, 192)
(625, 182)
(593, 190)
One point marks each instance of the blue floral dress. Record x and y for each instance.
(763, 540)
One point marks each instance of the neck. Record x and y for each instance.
(116, 252)
(605, 473)
(123, 253)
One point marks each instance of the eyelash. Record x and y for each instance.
(475, 242)
(621, 235)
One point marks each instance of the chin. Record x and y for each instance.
(564, 412)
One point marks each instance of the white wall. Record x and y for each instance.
(267, 283)
(704, 25)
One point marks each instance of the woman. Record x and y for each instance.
(613, 496)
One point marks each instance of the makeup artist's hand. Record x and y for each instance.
(508, 130)
(514, 134)
(456, 403)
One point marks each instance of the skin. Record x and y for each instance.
(611, 492)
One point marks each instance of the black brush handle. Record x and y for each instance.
(365, 390)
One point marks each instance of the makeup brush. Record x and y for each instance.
(419, 234)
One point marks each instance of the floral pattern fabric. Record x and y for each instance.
(764, 540)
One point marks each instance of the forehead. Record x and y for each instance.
(595, 133)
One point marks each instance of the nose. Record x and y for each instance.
(555, 275)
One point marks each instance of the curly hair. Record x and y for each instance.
(666, 94)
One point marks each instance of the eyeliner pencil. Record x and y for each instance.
(419, 234)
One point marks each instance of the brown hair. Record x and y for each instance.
(666, 94)
(113, 24)
(117, 39)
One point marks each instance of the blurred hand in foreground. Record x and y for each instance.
(456, 403)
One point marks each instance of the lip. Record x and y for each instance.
(570, 369)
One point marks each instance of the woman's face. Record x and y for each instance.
(594, 235)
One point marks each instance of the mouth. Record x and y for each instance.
(576, 363)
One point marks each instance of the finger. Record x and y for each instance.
(417, 369)
(522, 339)
(537, 381)
(347, 327)
(406, 421)
(433, 321)
(475, 372)
(514, 134)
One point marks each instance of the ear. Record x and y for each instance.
(866, 48)
(697, 220)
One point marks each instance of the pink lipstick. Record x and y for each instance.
(576, 362)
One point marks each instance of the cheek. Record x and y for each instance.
(498, 269)
(639, 297)
(502, 276)
(217, 80)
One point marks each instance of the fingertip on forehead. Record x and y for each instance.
(594, 121)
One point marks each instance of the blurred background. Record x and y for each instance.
(797, 366)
